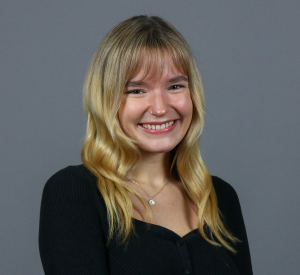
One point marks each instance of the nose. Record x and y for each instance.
(158, 103)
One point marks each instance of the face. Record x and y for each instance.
(156, 110)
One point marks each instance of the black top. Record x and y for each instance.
(74, 227)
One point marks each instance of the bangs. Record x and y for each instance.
(145, 59)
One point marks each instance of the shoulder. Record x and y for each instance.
(228, 201)
(70, 183)
(72, 220)
(71, 192)
(231, 215)
(72, 173)
(71, 176)
(223, 188)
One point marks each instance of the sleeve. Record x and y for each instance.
(231, 214)
(70, 237)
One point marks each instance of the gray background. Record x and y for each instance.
(248, 54)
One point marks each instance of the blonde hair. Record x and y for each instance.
(110, 154)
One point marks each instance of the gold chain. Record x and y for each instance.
(151, 201)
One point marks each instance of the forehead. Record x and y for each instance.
(154, 66)
(156, 73)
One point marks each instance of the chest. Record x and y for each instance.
(172, 210)
(157, 250)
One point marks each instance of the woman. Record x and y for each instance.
(143, 201)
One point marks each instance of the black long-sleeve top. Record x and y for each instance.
(74, 229)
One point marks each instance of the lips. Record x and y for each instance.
(158, 127)
(152, 126)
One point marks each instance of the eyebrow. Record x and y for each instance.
(178, 79)
(135, 84)
(172, 80)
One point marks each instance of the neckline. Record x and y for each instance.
(151, 226)
(162, 230)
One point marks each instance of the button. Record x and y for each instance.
(180, 242)
(188, 270)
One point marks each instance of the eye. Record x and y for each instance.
(135, 92)
(176, 87)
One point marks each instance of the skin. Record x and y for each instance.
(150, 101)
(167, 97)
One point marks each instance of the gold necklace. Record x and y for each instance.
(150, 201)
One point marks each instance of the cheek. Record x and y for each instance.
(123, 115)
(129, 114)
(185, 106)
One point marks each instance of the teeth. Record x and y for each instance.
(158, 127)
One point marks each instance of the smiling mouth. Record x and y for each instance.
(158, 126)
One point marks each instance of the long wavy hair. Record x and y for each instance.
(110, 154)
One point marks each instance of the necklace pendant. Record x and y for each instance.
(151, 202)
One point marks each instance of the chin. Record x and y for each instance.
(157, 150)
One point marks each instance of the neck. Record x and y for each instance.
(152, 170)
